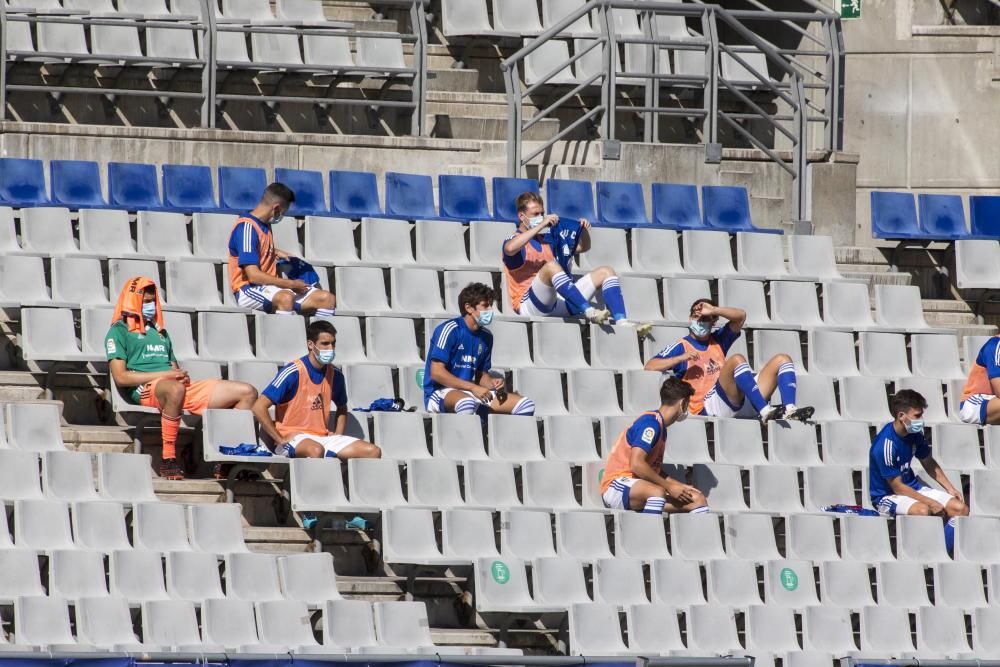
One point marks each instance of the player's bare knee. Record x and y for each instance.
(737, 359)
(550, 268)
(781, 358)
(174, 392)
(602, 273)
(310, 450)
(957, 508)
(326, 300)
(283, 300)
(698, 498)
(245, 393)
(370, 450)
(919, 509)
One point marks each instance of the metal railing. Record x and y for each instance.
(208, 28)
(805, 88)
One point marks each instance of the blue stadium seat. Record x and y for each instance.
(942, 216)
(240, 188)
(188, 187)
(133, 186)
(354, 194)
(463, 198)
(676, 206)
(310, 199)
(620, 204)
(22, 182)
(505, 192)
(984, 213)
(409, 196)
(570, 199)
(76, 183)
(727, 208)
(894, 216)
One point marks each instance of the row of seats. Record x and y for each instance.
(942, 217)
(275, 626)
(189, 188)
(827, 632)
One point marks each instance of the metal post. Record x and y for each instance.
(839, 59)
(611, 63)
(651, 53)
(513, 120)
(3, 54)
(208, 74)
(418, 19)
(712, 85)
(800, 154)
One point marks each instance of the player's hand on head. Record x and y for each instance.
(584, 223)
(549, 220)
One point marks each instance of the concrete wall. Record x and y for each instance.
(922, 103)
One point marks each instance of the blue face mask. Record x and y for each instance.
(149, 310)
(484, 318)
(700, 329)
(915, 426)
(326, 356)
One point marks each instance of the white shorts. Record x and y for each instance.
(542, 300)
(973, 409)
(616, 497)
(435, 404)
(898, 505)
(333, 444)
(260, 297)
(717, 404)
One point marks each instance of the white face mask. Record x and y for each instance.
(535, 221)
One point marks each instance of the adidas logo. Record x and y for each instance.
(461, 347)
(317, 403)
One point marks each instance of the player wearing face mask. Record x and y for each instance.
(457, 375)
(536, 263)
(726, 387)
(301, 394)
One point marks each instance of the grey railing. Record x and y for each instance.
(805, 86)
(208, 27)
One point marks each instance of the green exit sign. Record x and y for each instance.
(850, 9)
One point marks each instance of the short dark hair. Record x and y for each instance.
(526, 198)
(905, 400)
(699, 301)
(473, 294)
(675, 389)
(278, 191)
(317, 327)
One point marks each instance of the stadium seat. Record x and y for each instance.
(792, 443)
(795, 304)
(883, 355)
(19, 478)
(43, 622)
(942, 217)
(441, 246)
(216, 528)
(732, 583)
(159, 527)
(193, 285)
(828, 629)
(240, 188)
(984, 214)
(770, 629)
(19, 575)
(401, 435)
(330, 241)
(526, 534)
(188, 188)
(514, 438)
(433, 483)
(679, 294)
(774, 488)
(748, 295)
(100, 526)
(845, 583)
(956, 446)
(696, 536)
(620, 204)
(846, 443)
(558, 345)
(354, 194)
(486, 243)
(930, 389)
(676, 206)
(133, 186)
(360, 290)
(554, 11)
(490, 484)
(458, 437)
(640, 390)
(374, 482)
(750, 536)
(278, 338)
(559, 581)
(690, 445)
(977, 264)
(78, 280)
(812, 257)
(899, 306)
(570, 438)
(468, 534)
(193, 575)
(846, 304)
(463, 198)
(348, 625)
(609, 248)
(941, 631)
(286, 623)
(42, 525)
(811, 537)
(409, 196)
(210, 233)
(231, 625)
(252, 577)
(505, 193)
(959, 585)
(864, 399)
(712, 630)
(106, 623)
(538, 69)
(33, 426)
(417, 291)
(655, 252)
(728, 208)
(828, 485)
(920, 539)
(162, 234)
(619, 581)
(47, 334)
(76, 183)
(402, 624)
(224, 336)
(22, 181)
(310, 198)
(508, 595)
(761, 255)
(570, 199)
(984, 637)
(516, 16)
(832, 353)
(47, 231)
(641, 536)
(317, 486)
(591, 392)
(886, 630)
(549, 485)
(544, 386)
(367, 383)
(789, 583)
(977, 539)
(77, 574)
(408, 536)
(739, 442)
(865, 539)
(172, 624)
(721, 484)
(708, 252)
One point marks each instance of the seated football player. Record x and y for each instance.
(980, 404)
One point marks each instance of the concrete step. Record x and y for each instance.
(875, 278)
(452, 79)
(463, 637)
(364, 587)
(277, 540)
(946, 305)
(860, 255)
(447, 126)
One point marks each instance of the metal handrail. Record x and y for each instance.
(791, 66)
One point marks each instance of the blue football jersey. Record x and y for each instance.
(465, 353)
(890, 456)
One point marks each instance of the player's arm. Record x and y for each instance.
(340, 420)
(514, 245)
(442, 376)
(662, 364)
(639, 465)
(261, 411)
(736, 317)
(934, 469)
(901, 489)
(125, 378)
(584, 243)
(258, 277)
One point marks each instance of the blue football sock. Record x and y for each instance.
(568, 291)
(699, 510)
(786, 383)
(466, 406)
(744, 379)
(612, 292)
(654, 505)
(525, 407)
(949, 536)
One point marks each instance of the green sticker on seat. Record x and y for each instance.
(420, 377)
(500, 572)
(789, 580)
